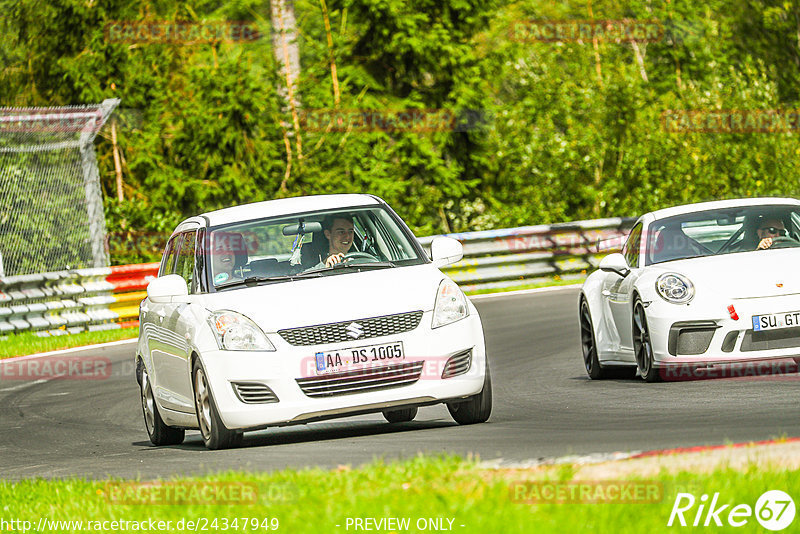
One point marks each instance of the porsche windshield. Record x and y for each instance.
(308, 245)
(723, 231)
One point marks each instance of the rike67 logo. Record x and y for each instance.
(774, 510)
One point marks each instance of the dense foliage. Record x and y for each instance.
(554, 131)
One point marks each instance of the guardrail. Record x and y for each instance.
(101, 299)
(71, 301)
(508, 258)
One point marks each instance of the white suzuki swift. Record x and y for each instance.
(303, 309)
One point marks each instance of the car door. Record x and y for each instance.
(618, 291)
(153, 313)
(174, 360)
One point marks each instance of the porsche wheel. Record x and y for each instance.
(215, 434)
(642, 345)
(159, 433)
(589, 344)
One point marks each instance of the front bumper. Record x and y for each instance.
(281, 369)
(706, 333)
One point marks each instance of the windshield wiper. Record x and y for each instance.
(348, 265)
(256, 280)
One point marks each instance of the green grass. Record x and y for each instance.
(28, 343)
(315, 500)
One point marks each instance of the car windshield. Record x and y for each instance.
(723, 231)
(296, 247)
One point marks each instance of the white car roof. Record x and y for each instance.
(284, 206)
(719, 204)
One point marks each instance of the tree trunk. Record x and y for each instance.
(287, 53)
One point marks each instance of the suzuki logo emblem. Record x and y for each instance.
(354, 330)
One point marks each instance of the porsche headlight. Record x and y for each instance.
(451, 304)
(675, 288)
(234, 331)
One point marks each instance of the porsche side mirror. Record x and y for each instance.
(165, 289)
(615, 263)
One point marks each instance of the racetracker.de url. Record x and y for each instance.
(198, 524)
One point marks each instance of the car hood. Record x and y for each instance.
(332, 298)
(762, 273)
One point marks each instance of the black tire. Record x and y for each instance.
(215, 434)
(160, 434)
(403, 415)
(475, 409)
(642, 346)
(589, 344)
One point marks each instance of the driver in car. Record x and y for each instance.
(339, 232)
(768, 230)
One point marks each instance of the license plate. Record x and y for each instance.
(334, 361)
(775, 321)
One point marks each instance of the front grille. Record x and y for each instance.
(783, 338)
(362, 380)
(458, 364)
(338, 332)
(254, 393)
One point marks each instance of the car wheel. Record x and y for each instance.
(215, 434)
(477, 408)
(160, 434)
(403, 415)
(589, 344)
(642, 346)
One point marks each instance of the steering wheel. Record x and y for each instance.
(784, 242)
(359, 255)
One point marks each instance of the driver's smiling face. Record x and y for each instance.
(340, 236)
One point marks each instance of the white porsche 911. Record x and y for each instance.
(303, 309)
(695, 286)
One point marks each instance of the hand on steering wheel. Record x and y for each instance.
(333, 259)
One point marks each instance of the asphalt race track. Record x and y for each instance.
(544, 407)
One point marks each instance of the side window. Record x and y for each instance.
(170, 254)
(632, 246)
(185, 263)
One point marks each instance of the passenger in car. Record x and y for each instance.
(228, 254)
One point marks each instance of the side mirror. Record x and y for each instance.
(446, 250)
(165, 289)
(615, 263)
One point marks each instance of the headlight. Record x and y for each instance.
(451, 304)
(234, 331)
(675, 288)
